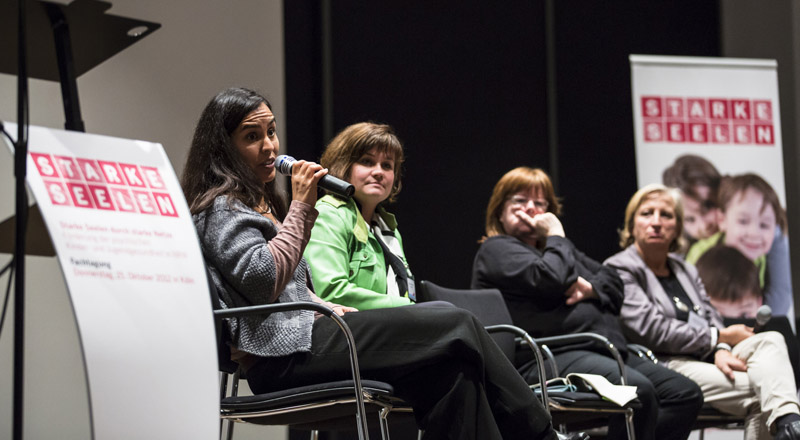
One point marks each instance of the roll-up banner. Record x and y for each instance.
(711, 128)
(130, 257)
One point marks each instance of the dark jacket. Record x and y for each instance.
(533, 283)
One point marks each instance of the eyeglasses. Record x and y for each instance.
(523, 201)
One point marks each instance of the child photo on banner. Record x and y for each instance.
(710, 127)
(730, 221)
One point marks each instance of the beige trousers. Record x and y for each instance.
(761, 395)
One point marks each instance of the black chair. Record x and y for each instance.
(322, 406)
(568, 409)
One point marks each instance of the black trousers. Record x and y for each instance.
(439, 359)
(670, 401)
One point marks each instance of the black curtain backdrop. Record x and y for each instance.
(463, 83)
(595, 113)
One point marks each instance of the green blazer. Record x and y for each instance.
(347, 262)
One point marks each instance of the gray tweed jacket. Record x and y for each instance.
(234, 240)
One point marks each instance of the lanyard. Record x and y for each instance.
(404, 283)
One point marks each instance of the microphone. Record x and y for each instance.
(283, 164)
(763, 315)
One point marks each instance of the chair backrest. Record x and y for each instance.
(487, 305)
(226, 365)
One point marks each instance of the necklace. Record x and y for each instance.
(683, 307)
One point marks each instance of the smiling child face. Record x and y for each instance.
(749, 224)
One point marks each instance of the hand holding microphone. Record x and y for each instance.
(283, 164)
(305, 180)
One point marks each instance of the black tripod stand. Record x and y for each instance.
(83, 36)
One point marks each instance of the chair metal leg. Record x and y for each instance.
(229, 434)
(223, 389)
(702, 434)
(314, 435)
(550, 359)
(234, 393)
(419, 434)
(223, 384)
(361, 416)
(629, 424)
(383, 416)
(534, 346)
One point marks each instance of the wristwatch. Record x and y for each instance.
(722, 346)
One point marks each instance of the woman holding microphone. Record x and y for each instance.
(456, 379)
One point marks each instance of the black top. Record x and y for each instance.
(533, 283)
(680, 299)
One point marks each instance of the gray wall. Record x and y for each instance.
(154, 91)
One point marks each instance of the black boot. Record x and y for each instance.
(789, 431)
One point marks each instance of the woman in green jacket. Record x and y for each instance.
(355, 251)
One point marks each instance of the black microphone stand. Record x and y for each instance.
(21, 209)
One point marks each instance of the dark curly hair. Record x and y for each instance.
(214, 166)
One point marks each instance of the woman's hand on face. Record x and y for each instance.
(545, 224)
(735, 334)
(579, 291)
(305, 176)
(728, 363)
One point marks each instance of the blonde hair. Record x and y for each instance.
(646, 193)
(354, 141)
(514, 181)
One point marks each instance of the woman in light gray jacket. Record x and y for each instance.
(666, 308)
